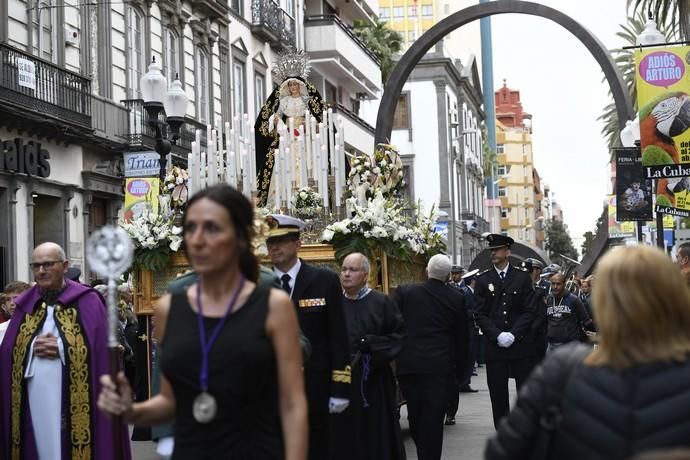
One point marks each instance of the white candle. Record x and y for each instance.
(252, 156)
(336, 170)
(301, 140)
(245, 175)
(276, 179)
(212, 160)
(203, 165)
(168, 164)
(194, 169)
(190, 184)
(324, 175)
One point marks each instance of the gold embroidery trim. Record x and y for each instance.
(344, 376)
(21, 347)
(79, 384)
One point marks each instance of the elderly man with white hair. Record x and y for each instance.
(435, 351)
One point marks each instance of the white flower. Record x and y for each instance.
(377, 170)
(328, 234)
(175, 244)
(303, 195)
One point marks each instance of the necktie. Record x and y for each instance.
(503, 276)
(286, 283)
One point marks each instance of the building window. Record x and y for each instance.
(259, 91)
(398, 12)
(44, 34)
(412, 11)
(504, 213)
(226, 108)
(500, 149)
(401, 118)
(289, 7)
(502, 191)
(236, 5)
(135, 51)
(172, 63)
(427, 11)
(384, 13)
(238, 89)
(502, 170)
(202, 72)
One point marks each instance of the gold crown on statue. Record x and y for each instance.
(291, 63)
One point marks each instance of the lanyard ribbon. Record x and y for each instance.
(206, 346)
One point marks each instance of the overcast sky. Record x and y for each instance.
(561, 86)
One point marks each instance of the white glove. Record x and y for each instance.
(337, 405)
(165, 447)
(505, 339)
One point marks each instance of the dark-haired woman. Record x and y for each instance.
(231, 363)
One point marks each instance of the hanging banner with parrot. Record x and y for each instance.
(663, 98)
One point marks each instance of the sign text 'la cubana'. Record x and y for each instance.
(663, 98)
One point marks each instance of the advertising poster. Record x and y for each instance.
(618, 229)
(633, 190)
(663, 88)
(141, 193)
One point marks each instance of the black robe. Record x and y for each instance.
(376, 331)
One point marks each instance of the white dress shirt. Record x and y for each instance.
(294, 270)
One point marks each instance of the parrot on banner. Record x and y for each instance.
(661, 119)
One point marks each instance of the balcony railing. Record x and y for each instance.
(340, 108)
(272, 23)
(140, 134)
(481, 225)
(33, 84)
(109, 119)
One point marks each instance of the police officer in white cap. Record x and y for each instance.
(505, 313)
(317, 295)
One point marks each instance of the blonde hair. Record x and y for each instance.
(641, 307)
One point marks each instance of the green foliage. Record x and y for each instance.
(558, 242)
(151, 259)
(674, 15)
(383, 41)
(587, 243)
(655, 155)
(489, 159)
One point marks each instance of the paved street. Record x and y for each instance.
(464, 441)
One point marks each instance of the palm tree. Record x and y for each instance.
(625, 61)
(383, 41)
(674, 15)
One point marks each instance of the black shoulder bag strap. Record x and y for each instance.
(550, 420)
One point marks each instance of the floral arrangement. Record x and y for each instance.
(306, 202)
(155, 238)
(175, 185)
(429, 241)
(380, 172)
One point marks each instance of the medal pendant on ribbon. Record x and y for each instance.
(204, 408)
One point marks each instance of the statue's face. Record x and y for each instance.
(293, 86)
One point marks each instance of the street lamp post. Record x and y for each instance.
(172, 101)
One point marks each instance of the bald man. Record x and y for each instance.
(50, 360)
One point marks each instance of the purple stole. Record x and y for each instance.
(82, 321)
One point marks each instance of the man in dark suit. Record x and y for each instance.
(434, 352)
(538, 329)
(317, 295)
(505, 313)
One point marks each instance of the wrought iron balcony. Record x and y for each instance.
(141, 135)
(271, 23)
(34, 85)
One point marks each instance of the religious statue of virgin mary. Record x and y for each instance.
(289, 101)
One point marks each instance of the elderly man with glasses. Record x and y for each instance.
(50, 360)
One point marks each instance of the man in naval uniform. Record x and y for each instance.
(317, 295)
(505, 313)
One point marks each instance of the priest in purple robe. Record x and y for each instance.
(50, 360)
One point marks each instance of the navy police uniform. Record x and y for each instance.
(505, 305)
(317, 296)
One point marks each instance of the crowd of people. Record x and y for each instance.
(299, 362)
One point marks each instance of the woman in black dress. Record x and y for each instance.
(230, 357)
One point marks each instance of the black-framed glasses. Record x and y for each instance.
(36, 266)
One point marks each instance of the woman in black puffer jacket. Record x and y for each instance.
(632, 393)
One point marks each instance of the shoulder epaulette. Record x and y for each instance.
(482, 272)
(521, 268)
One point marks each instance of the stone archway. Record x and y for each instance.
(395, 83)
